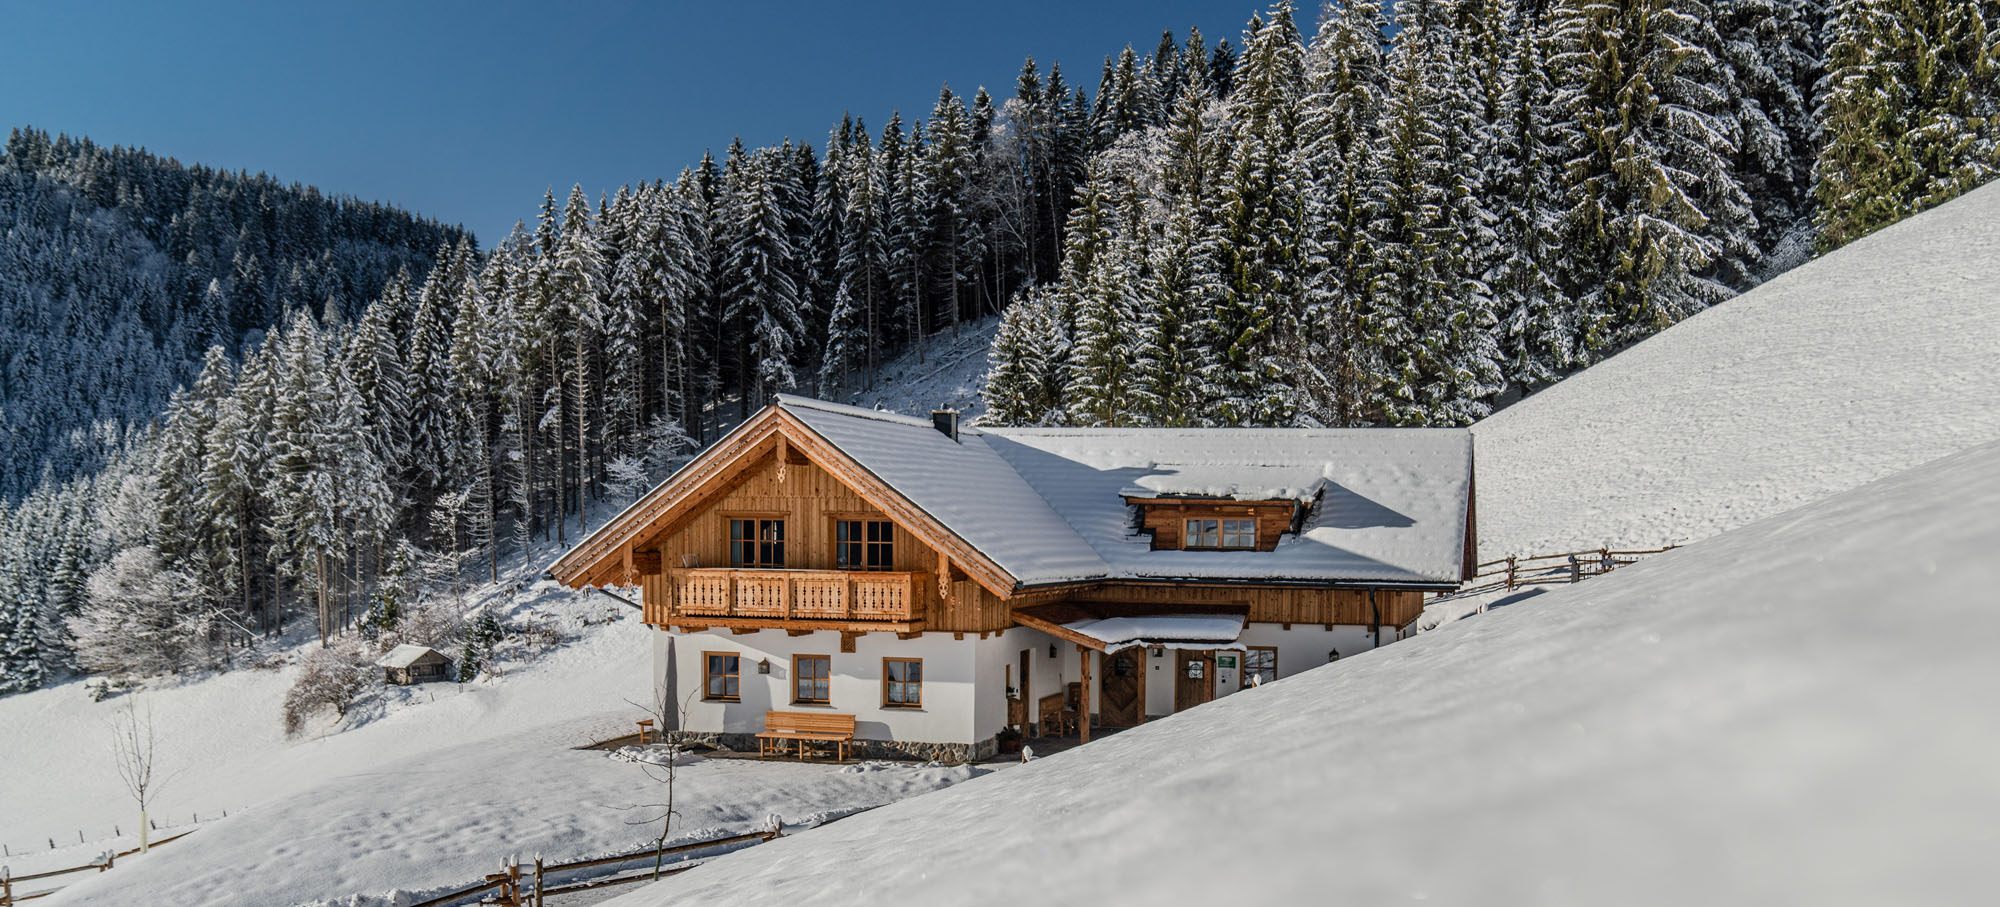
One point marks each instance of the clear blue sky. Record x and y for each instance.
(466, 111)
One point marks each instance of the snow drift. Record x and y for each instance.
(1873, 359)
(1794, 712)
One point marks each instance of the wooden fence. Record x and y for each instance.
(518, 886)
(8, 880)
(1514, 572)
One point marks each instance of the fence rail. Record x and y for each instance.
(8, 880)
(521, 887)
(1514, 572)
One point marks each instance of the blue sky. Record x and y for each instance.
(466, 112)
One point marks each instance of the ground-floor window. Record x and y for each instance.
(811, 676)
(1260, 665)
(721, 678)
(902, 683)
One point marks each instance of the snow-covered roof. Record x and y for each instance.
(1048, 505)
(1118, 633)
(405, 655)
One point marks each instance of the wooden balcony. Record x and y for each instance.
(743, 597)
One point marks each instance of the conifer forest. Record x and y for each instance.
(236, 408)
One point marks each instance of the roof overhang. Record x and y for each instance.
(1113, 626)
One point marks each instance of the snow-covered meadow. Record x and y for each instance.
(1872, 359)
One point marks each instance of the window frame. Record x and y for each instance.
(707, 674)
(1217, 539)
(865, 546)
(825, 680)
(917, 684)
(756, 543)
(1245, 679)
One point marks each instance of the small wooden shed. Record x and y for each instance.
(409, 663)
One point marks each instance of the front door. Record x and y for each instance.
(1124, 689)
(1194, 677)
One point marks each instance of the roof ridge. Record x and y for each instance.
(791, 401)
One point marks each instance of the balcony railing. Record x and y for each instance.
(848, 595)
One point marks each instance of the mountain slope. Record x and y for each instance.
(1875, 358)
(1792, 712)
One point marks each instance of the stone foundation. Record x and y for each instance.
(859, 749)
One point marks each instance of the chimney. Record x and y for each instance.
(946, 422)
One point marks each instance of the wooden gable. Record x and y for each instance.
(770, 463)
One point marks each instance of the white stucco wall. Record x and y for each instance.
(965, 680)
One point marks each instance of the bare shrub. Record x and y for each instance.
(331, 678)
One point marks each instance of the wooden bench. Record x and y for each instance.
(805, 728)
(1058, 717)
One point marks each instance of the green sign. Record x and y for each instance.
(1225, 661)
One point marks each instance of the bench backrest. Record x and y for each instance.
(810, 722)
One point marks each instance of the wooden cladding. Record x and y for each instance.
(1166, 519)
(842, 595)
(1388, 607)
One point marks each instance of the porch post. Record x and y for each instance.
(1083, 696)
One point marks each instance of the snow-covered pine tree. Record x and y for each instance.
(1173, 365)
(1909, 113)
(1537, 331)
(1336, 150)
(762, 263)
(1649, 199)
(577, 287)
(1026, 382)
(846, 343)
(1773, 52)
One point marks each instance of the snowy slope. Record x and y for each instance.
(222, 739)
(1875, 358)
(1795, 712)
(952, 373)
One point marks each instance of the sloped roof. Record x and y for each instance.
(1047, 505)
(406, 655)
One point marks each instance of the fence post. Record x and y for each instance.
(1575, 569)
(1510, 573)
(538, 880)
(1604, 564)
(6, 886)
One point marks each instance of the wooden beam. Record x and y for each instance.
(1083, 697)
(1056, 630)
(847, 641)
(856, 627)
(742, 631)
(911, 635)
(799, 632)
(648, 561)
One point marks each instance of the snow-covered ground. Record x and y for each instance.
(1870, 360)
(421, 787)
(952, 373)
(1794, 712)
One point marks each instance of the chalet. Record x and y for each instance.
(928, 584)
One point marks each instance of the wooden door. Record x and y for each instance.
(1124, 689)
(1194, 677)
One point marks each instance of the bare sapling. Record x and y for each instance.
(132, 749)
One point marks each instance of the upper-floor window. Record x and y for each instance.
(864, 544)
(1221, 534)
(756, 543)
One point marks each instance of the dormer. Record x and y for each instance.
(1217, 524)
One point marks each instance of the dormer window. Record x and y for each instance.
(1205, 533)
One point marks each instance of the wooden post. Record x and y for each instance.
(538, 880)
(1083, 697)
(1510, 573)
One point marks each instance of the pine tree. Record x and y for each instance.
(1025, 384)
(1537, 331)
(1650, 202)
(1912, 99)
(764, 296)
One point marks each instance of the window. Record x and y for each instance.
(720, 677)
(1260, 665)
(864, 544)
(756, 543)
(1221, 534)
(811, 676)
(902, 683)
